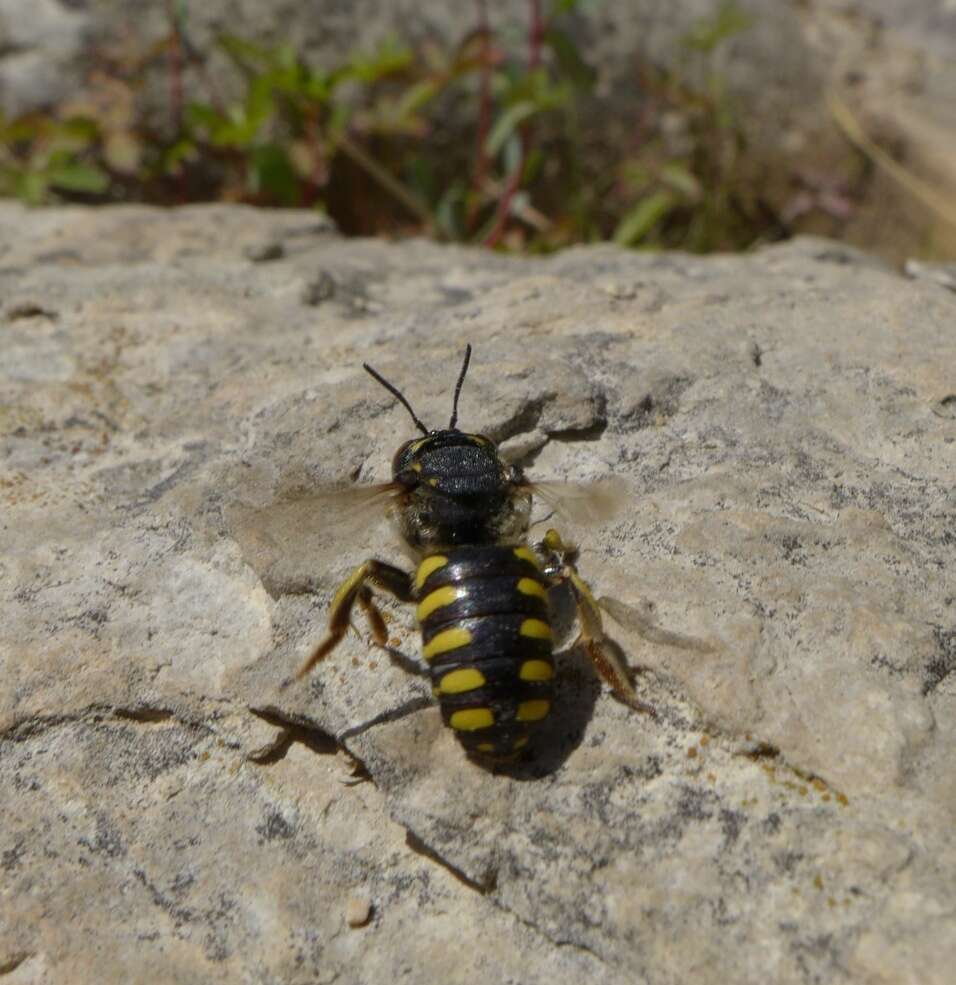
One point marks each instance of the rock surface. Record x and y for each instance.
(787, 424)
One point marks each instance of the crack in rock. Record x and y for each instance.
(13, 962)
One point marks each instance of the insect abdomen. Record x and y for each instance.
(486, 637)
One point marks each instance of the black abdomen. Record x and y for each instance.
(486, 637)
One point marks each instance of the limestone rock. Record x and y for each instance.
(168, 407)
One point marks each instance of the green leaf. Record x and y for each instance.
(648, 212)
(566, 6)
(570, 62)
(81, 178)
(31, 187)
(449, 213)
(182, 150)
(389, 58)
(512, 155)
(710, 32)
(416, 96)
(681, 180)
(506, 124)
(272, 175)
(81, 129)
(251, 58)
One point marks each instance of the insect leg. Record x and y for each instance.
(604, 653)
(355, 588)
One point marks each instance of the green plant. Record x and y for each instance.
(40, 155)
(484, 142)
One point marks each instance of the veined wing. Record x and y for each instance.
(289, 540)
(584, 503)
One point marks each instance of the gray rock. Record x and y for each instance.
(166, 408)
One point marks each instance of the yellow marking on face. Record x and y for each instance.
(485, 747)
(533, 711)
(449, 639)
(528, 586)
(536, 670)
(415, 445)
(470, 719)
(435, 600)
(428, 567)
(520, 743)
(466, 679)
(432, 482)
(526, 554)
(416, 466)
(536, 629)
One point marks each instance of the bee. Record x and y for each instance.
(481, 587)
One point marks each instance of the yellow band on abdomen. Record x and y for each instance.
(449, 639)
(428, 567)
(536, 629)
(435, 600)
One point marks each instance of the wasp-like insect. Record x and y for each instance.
(481, 589)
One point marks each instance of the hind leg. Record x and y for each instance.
(559, 558)
(354, 589)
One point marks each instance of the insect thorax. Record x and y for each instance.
(458, 491)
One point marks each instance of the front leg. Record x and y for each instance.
(356, 588)
(559, 557)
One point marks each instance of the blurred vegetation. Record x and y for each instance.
(488, 142)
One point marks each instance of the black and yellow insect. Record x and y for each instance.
(481, 589)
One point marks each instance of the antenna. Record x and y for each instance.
(461, 379)
(398, 393)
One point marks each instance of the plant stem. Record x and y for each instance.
(480, 174)
(535, 35)
(378, 174)
(176, 86)
(536, 30)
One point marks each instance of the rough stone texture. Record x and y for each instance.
(787, 424)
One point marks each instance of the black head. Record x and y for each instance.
(456, 489)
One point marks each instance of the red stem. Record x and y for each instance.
(311, 192)
(535, 35)
(176, 91)
(536, 29)
(480, 173)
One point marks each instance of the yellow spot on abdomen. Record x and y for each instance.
(526, 554)
(536, 670)
(466, 679)
(470, 719)
(428, 567)
(536, 629)
(520, 743)
(533, 711)
(435, 600)
(485, 747)
(449, 639)
(528, 586)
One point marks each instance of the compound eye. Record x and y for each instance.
(405, 469)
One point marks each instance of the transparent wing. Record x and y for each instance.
(584, 503)
(288, 541)
(640, 619)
